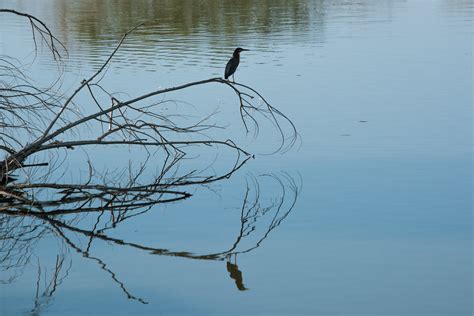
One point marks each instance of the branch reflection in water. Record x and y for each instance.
(75, 174)
(82, 215)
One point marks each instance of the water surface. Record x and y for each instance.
(381, 95)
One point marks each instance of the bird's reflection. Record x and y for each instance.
(24, 222)
(235, 273)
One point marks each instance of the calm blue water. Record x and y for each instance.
(381, 95)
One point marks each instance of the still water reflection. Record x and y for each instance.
(381, 93)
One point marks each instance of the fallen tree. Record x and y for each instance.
(35, 121)
(43, 132)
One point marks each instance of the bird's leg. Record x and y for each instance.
(233, 80)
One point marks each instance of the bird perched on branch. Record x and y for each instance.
(233, 63)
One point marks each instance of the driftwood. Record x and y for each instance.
(41, 114)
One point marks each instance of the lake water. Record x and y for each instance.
(381, 95)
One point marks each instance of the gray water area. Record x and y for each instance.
(381, 95)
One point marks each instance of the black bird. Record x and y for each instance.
(233, 63)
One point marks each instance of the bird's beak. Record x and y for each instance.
(243, 49)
